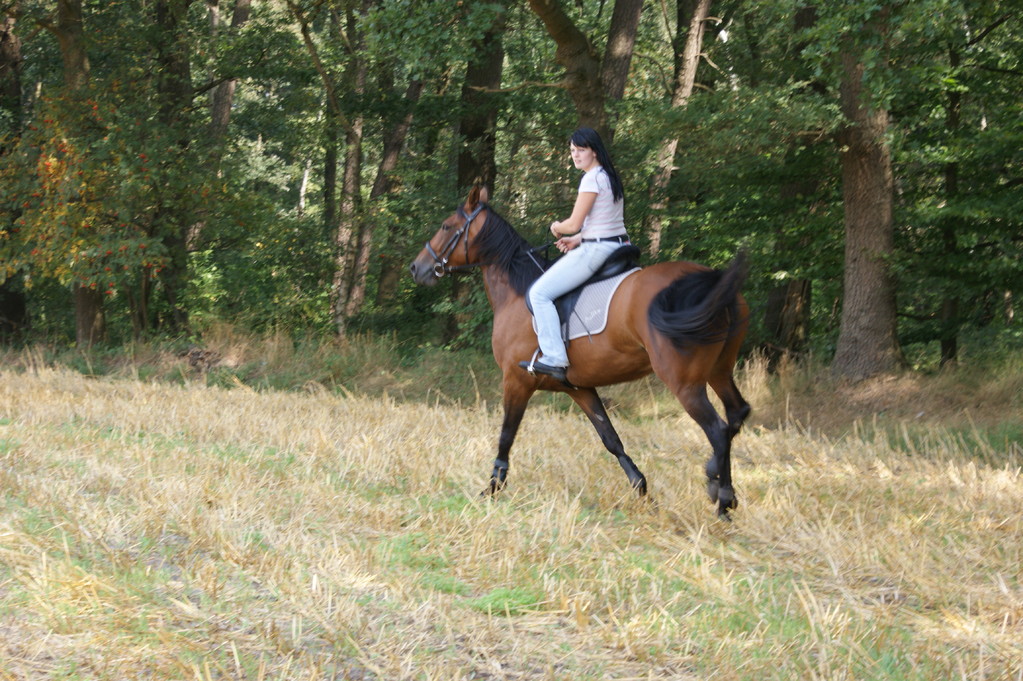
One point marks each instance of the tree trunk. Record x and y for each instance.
(580, 61)
(222, 96)
(591, 81)
(90, 322)
(684, 81)
(621, 41)
(13, 312)
(70, 32)
(346, 240)
(478, 124)
(867, 340)
(476, 160)
(787, 319)
(787, 313)
(331, 134)
(138, 304)
(383, 184)
(393, 269)
(354, 80)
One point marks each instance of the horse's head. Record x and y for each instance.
(451, 247)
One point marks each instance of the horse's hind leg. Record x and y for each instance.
(722, 380)
(693, 397)
(589, 400)
(736, 407)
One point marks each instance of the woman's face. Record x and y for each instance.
(582, 157)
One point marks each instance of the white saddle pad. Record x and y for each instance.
(590, 315)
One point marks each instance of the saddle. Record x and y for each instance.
(624, 259)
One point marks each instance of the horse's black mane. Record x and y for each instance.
(501, 246)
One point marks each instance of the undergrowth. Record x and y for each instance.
(979, 404)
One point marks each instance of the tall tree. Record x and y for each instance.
(69, 29)
(174, 92)
(692, 15)
(222, 95)
(788, 305)
(384, 184)
(477, 127)
(13, 313)
(867, 341)
(346, 249)
(351, 81)
(949, 312)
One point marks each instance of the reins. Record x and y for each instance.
(531, 252)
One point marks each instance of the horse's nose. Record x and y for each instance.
(421, 273)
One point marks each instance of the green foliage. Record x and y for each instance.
(432, 33)
(99, 188)
(79, 215)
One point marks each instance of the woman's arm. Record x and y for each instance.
(583, 203)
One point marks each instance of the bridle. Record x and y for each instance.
(440, 260)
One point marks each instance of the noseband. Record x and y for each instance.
(440, 260)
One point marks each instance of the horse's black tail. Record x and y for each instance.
(701, 308)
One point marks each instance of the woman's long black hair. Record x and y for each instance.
(589, 139)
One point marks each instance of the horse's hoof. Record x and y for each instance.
(492, 489)
(726, 500)
(640, 487)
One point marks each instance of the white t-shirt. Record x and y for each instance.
(607, 216)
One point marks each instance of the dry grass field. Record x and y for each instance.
(152, 530)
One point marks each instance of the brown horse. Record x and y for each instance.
(679, 320)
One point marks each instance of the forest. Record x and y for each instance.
(276, 164)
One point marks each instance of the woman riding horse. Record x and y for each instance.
(588, 237)
(682, 321)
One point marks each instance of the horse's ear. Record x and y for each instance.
(473, 198)
(477, 195)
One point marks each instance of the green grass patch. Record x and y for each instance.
(416, 550)
(506, 601)
(444, 583)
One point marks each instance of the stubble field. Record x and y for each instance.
(159, 531)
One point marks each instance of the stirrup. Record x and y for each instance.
(560, 376)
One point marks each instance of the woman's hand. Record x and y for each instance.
(554, 229)
(567, 243)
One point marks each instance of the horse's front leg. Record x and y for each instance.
(516, 397)
(591, 404)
